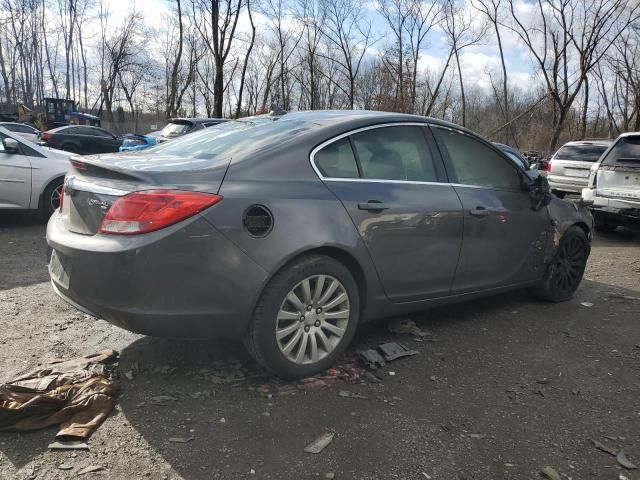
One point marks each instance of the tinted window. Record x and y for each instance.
(474, 163)
(626, 148)
(394, 153)
(176, 128)
(582, 153)
(71, 130)
(336, 160)
(96, 132)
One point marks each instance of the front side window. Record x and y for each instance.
(336, 160)
(476, 164)
(394, 153)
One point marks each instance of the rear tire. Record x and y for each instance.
(51, 198)
(564, 273)
(301, 326)
(604, 223)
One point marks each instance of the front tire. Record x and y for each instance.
(305, 318)
(51, 198)
(564, 273)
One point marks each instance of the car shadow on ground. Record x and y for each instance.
(196, 403)
(23, 250)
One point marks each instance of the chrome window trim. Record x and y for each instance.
(358, 130)
(71, 183)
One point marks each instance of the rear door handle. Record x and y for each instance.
(480, 212)
(373, 206)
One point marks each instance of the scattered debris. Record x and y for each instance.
(623, 477)
(162, 400)
(623, 297)
(129, 375)
(622, 459)
(476, 435)
(392, 351)
(222, 420)
(408, 326)
(64, 444)
(428, 477)
(550, 473)
(348, 394)
(392, 374)
(65, 466)
(371, 377)
(586, 304)
(604, 448)
(319, 443)
(90, 469)
(252, 472)
(330, 475)
(181, 439)
(77, 394)
(371, 358)
(433, 378)
(543, 381)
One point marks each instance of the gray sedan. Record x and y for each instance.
(289, 233)
(31, 176)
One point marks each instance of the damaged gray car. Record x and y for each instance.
(289, 232)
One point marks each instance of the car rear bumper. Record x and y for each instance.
(618, 207)
(185, 281)
(564, 184)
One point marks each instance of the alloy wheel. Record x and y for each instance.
(569, 265)
(312, 319)
(56, 195)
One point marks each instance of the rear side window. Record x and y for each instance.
(394, 153)
(580, 153)
(474, 163)
(626, 148)
(96, 132)
(336, 160)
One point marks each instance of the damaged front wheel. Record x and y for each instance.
(565, 272)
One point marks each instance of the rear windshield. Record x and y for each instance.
(176, 128)
(581, 153)
(233, 136)
(626, 148)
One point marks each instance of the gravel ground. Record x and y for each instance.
(501, 389)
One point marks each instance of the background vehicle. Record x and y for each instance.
(132, 142)
(289, 233)
(181, 126)
(514, 155)
(568, 169)
(54, 112)
(614, 184)
(31, 176)
(25, 131)
(81, 140)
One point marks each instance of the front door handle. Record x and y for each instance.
(480, 212)
(373, 206)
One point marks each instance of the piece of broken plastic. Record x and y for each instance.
(392, 351)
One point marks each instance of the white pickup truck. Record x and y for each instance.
(613, 191)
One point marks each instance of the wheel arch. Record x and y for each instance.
(340, 255)
(46, 185)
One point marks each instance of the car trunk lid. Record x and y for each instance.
(95, 183)
(618, 175)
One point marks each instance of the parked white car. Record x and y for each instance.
(31, 176)
(613, 190)
(22, 129)
(568, 169)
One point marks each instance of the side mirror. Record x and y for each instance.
(11, 145)
(539, 192)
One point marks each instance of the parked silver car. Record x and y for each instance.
(25, 131)
(31, 176)
(614, 184)
(568, 170)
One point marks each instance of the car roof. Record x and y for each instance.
(197, 119)
(590, 142)
(629, 134)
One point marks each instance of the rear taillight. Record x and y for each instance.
(45, 136)
(149, 210)
(78, 165)
(548, 166)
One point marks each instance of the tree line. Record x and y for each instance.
(236, 58)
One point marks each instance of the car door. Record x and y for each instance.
(504, 238)
(392, 183)
(15, 178)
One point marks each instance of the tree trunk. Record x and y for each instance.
(583, 124)
(246, 62)
(462, 97)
